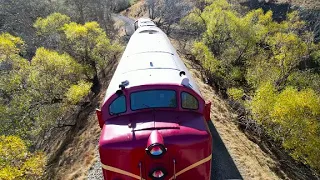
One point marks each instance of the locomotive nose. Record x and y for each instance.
(173, 153)
(155, 150)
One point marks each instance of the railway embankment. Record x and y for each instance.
(237, 154)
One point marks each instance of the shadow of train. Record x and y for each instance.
(223, 166)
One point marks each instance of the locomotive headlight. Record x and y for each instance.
(158, 174)
(155, 146)
(156, 150)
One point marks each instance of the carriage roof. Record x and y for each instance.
(149, 58)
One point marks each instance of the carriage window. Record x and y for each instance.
(189, 101)
(118, 106)
(153, 99)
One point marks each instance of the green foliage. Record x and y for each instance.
(251, 48)
(17, 18)
(51, 62)
(33, 93)
(288, 50)
(51, 24)
(193, 22)
(291, 116)
(132, 2)
(263, 102)
(10, 46)
(305, 79)
(87, 43)
(36, 94)
(276, 62)
(77, 92)
(16, 162)
(201, 51)
(236, 93)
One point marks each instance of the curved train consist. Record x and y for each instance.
(153, 117)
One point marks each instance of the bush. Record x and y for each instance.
(77, 92)
(16, 162)
(291, 117)
(276, 62)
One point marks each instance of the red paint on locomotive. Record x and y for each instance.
(172, 142)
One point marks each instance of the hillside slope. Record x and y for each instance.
(80, 159)
(250, 160)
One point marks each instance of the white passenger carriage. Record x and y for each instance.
(150, 58)
(143, 22)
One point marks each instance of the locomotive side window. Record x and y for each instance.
(118, 106)
(153, 99)
(189, 101)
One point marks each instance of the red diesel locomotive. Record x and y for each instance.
(153, 117)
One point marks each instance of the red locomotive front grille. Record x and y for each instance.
(187, 139)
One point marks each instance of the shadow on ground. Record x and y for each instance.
(223, 167)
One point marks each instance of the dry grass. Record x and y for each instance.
(80, 155)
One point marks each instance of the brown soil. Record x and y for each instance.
(71, 150)
(80, 153)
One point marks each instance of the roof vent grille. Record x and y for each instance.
(150, 31)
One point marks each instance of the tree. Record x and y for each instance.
(274, 64)
(263, 103)
(291, 117)
(34, 93)
(18, 16)
(80, 7)
(251, 48)
(95, 10)
(87, 43)
(16, 162)
(166, 13)
(49, 30)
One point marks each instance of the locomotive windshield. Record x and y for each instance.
(153, 99)
(188, 101)
(118, 106)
